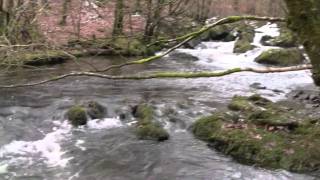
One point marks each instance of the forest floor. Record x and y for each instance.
(85, 21)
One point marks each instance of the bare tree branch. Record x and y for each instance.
(158, 75)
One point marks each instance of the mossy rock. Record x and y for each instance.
(281, 57)
(286, 39)
(261, 111)
(147, 128)
(222, 33)
(95, 110)
(38, 58)
(246, 36)
(252, 141)
(131, 47)
(152, 132)
(248, 104)
(77, 115)
(116, 46)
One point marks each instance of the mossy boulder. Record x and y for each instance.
(286, 39)
(246, 35)
(116, 46)
(46, 57)
(95, 110)
(77, 115)
(224, 33)
(147, 128)
(264, 133)
(281, 57)
(130, 47)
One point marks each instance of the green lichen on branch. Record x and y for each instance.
(260, 132)
(172, 75)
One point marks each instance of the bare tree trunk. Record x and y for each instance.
(146, 35)
(138, 6)
(304, 19)
(65, 9)
(118, 18)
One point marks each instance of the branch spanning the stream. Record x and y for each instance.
(188, 37)
(158, 75)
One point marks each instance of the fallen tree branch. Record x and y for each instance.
(186, 38)
(166, 74)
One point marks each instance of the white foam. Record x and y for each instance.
(219, 56)
(4, 168)
(106, 123)
(47, 148)
(270, 29)
(79, 144)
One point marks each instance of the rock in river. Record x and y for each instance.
(147, 128)
(258, 131)
(281, 57)
(77, 115)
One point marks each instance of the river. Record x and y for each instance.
(37, 143)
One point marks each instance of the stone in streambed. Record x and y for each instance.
(281, 57)
(147, 128)
(95, 110)
(77, 115)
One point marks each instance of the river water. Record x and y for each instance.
(37, 143)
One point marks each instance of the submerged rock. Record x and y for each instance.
(95, 110)
(281, 57)
(77, 115)
(147, 128)
(263, 133)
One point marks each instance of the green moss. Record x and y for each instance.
(222, 33)
(45, 57)
(303, 19)
(240, 103)
(205, 127)
(118, 45)
(286, 39)
(96, 110)
(281, 57)
(147, 128)
(152, 132)
(246, 36)
(77, 116)
(252, 143)
(131, 47)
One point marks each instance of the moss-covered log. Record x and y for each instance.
(304, 19)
